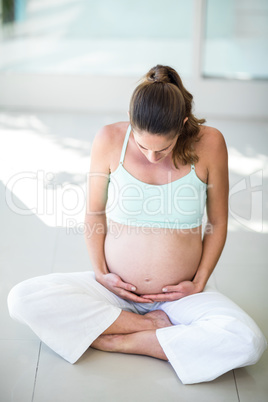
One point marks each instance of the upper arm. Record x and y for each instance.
(98, 176)
(218, 183)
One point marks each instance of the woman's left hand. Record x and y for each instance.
(171, 293)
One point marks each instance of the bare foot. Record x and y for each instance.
(117, 342)
(141, 343)
(159, 319)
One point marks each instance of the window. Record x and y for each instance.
(96, 36)
(236, 39)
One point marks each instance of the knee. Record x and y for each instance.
(256, 347)
(23, 296)
(14, 299)
(17, 299)
(252, 344)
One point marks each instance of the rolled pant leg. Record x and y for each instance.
(211, 335)
(66, 311)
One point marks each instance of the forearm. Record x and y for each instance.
(95, 233)
(213, 243)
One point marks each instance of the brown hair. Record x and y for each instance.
(159, 106)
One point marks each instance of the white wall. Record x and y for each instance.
(101, 93)
(96, 93)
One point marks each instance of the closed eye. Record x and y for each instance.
(155, 151)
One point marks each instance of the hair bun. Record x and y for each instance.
(158, 74)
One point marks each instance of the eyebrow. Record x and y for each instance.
(155, 151)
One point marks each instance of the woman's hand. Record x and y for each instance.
(122, 289)
(171, 293)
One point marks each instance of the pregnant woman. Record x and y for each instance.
(150, 180)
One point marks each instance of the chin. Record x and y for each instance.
(158, 160)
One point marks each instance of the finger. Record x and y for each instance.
(167, 289)
(132, 297)
(161, 297)
(153, 296)
(141, 300)
(127, 286)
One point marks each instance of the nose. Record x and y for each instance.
(152, 156)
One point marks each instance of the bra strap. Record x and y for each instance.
(125, 145)
(192, 166)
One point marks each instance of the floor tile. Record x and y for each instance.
(252, 381)
(17, 370)
(245, 284)
(71, 266)
(27, 250)
(245, 247)
(71, 246)
(115, 377)
(25, 237)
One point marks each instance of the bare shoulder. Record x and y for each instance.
(212, 144)
(108, 143)
(108, 136)
(211, 136)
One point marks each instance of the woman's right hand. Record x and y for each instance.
(122, 289)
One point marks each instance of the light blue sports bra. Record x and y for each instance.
(178, 204)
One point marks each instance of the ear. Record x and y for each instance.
(184, 121)
(128, 114)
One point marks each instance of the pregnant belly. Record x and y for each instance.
(150, 260)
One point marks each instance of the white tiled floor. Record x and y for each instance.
(49, 241)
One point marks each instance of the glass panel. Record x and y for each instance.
(236, 39)
(95, 36)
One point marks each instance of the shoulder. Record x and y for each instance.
(211, 136)
(109, 139)
(211, 144)
(109, 135)
(107, 145)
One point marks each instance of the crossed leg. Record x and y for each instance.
(135, 334)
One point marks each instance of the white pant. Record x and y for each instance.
(210, 336)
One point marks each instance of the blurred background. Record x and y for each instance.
(67, 67)
(86, 55)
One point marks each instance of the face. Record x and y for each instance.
(154, 147)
